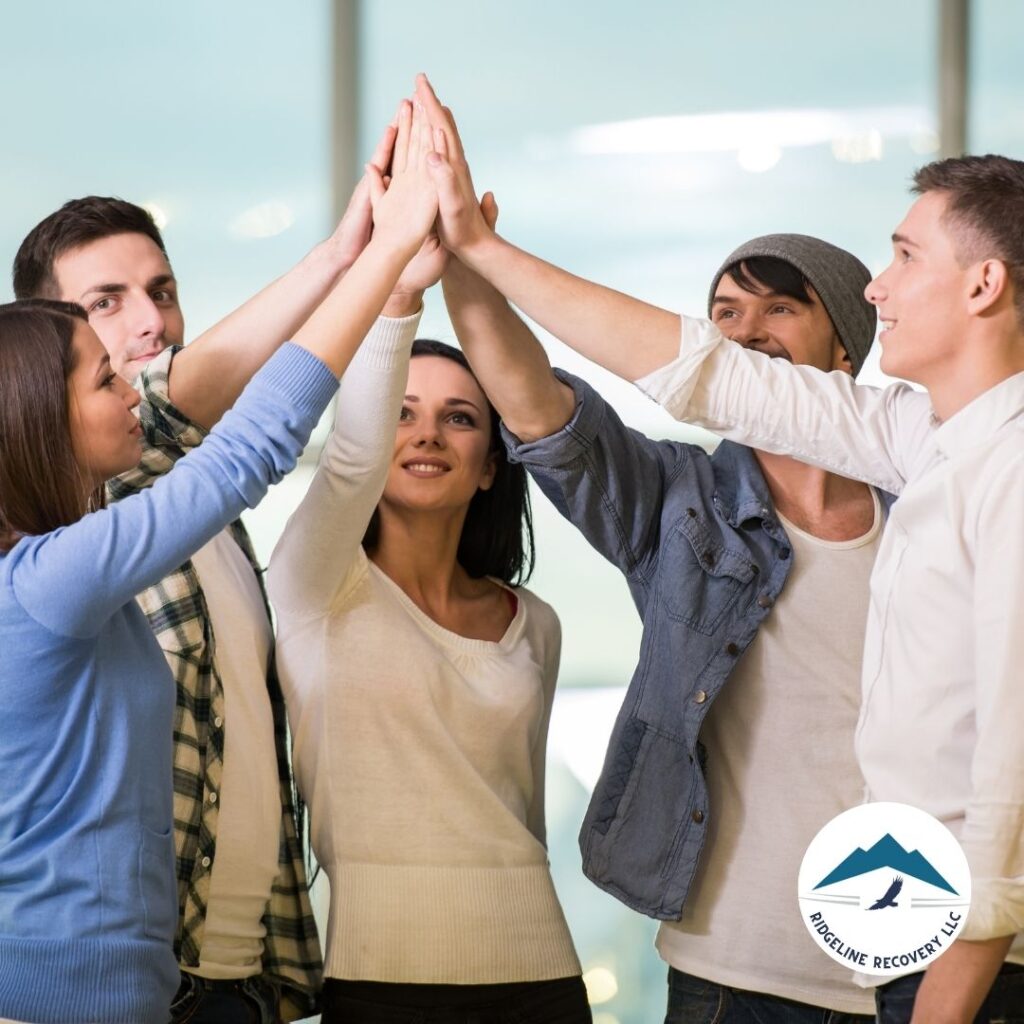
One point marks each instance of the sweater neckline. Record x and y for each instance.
(447, 636)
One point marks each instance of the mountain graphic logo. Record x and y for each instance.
(884, 906)
(886, 853)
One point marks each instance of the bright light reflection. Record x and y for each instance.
(265, 220)
(602, 985)
(758, 158)
(858, 149)
(737, 130)
(158, 213)
(581, 724)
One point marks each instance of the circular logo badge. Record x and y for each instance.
(884, 889)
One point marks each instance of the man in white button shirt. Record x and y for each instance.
(940, 727)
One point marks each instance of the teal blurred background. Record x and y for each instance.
(242, 125)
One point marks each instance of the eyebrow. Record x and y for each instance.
(103, 366)
(447, 401)
(723, 299)
(897, 238)
(117, 289)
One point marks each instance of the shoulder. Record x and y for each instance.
(540, 615)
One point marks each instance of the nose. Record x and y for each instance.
(149, 322)
(131, 396)
(875, 291)
(429, 435)
(748, 331)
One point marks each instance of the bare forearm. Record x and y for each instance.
(211, 372)
(508, 360)
(626, 336)
(337, 326)
(954, 987)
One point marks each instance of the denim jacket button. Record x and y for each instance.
(765, 601)
(699, 697)
(692, 513)
(731, 649)
(698, 815)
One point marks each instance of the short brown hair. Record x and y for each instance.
(986, 210)
(40, 482)
(78, 222)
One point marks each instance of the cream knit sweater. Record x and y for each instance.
(419, 752)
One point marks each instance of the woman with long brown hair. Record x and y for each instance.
(88, 906)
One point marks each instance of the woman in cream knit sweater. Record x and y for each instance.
(419, 682)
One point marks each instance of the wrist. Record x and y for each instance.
(403, 304)
(475, 253)
(334, 255)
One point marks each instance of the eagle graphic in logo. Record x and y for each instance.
(889, 899)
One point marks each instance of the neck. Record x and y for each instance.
(990, 354)
(821, 503)
(418, 549)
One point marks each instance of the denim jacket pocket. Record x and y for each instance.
(158, 885)
(700, 579)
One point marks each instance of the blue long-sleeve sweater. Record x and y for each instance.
(88, 901)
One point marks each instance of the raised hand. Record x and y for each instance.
(353, 231)
(405, 208)
(460, 222)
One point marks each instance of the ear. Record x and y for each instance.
(988, 281)
(840, 357)
(489, 473)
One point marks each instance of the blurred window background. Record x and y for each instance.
(636, 146)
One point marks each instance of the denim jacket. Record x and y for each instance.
(705, 556)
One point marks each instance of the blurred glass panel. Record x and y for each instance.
(216, 113)
(995, 113)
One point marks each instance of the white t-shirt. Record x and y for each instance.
(781, 764)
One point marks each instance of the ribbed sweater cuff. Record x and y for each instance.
(300, 377)
(389, 340)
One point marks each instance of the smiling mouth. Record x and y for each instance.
(425, 468)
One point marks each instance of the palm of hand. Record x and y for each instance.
(425, 268)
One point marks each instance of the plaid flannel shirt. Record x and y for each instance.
(179, 617)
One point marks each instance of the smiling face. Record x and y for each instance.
(922, 296)
(778, 325)
(105, 434)
(126, 285)
(442, 453)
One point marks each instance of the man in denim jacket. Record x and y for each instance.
(711, 793)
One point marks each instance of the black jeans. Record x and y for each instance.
(1004, 1004)
(693, 1000)
(250, 1001)
(563, 1001)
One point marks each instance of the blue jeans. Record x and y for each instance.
(1004, 1003)
(250, 1001)
(696, 1001)
(562, 1001)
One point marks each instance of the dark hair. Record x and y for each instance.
(497, 536)
(770, 272)
(78, 222)
(986, 210)
(40, 481)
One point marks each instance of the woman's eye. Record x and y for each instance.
(405, 414)
(463, 419)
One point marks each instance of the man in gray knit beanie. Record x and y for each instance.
(837, 278)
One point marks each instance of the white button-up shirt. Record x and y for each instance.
(942, 721)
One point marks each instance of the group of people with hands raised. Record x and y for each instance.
(150, 841)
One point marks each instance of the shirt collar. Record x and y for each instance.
(978, 421)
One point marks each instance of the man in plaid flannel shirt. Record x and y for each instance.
(246, 938)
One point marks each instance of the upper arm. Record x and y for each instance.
(826, 419)
(605, 478)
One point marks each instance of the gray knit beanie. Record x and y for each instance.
(837, 276)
